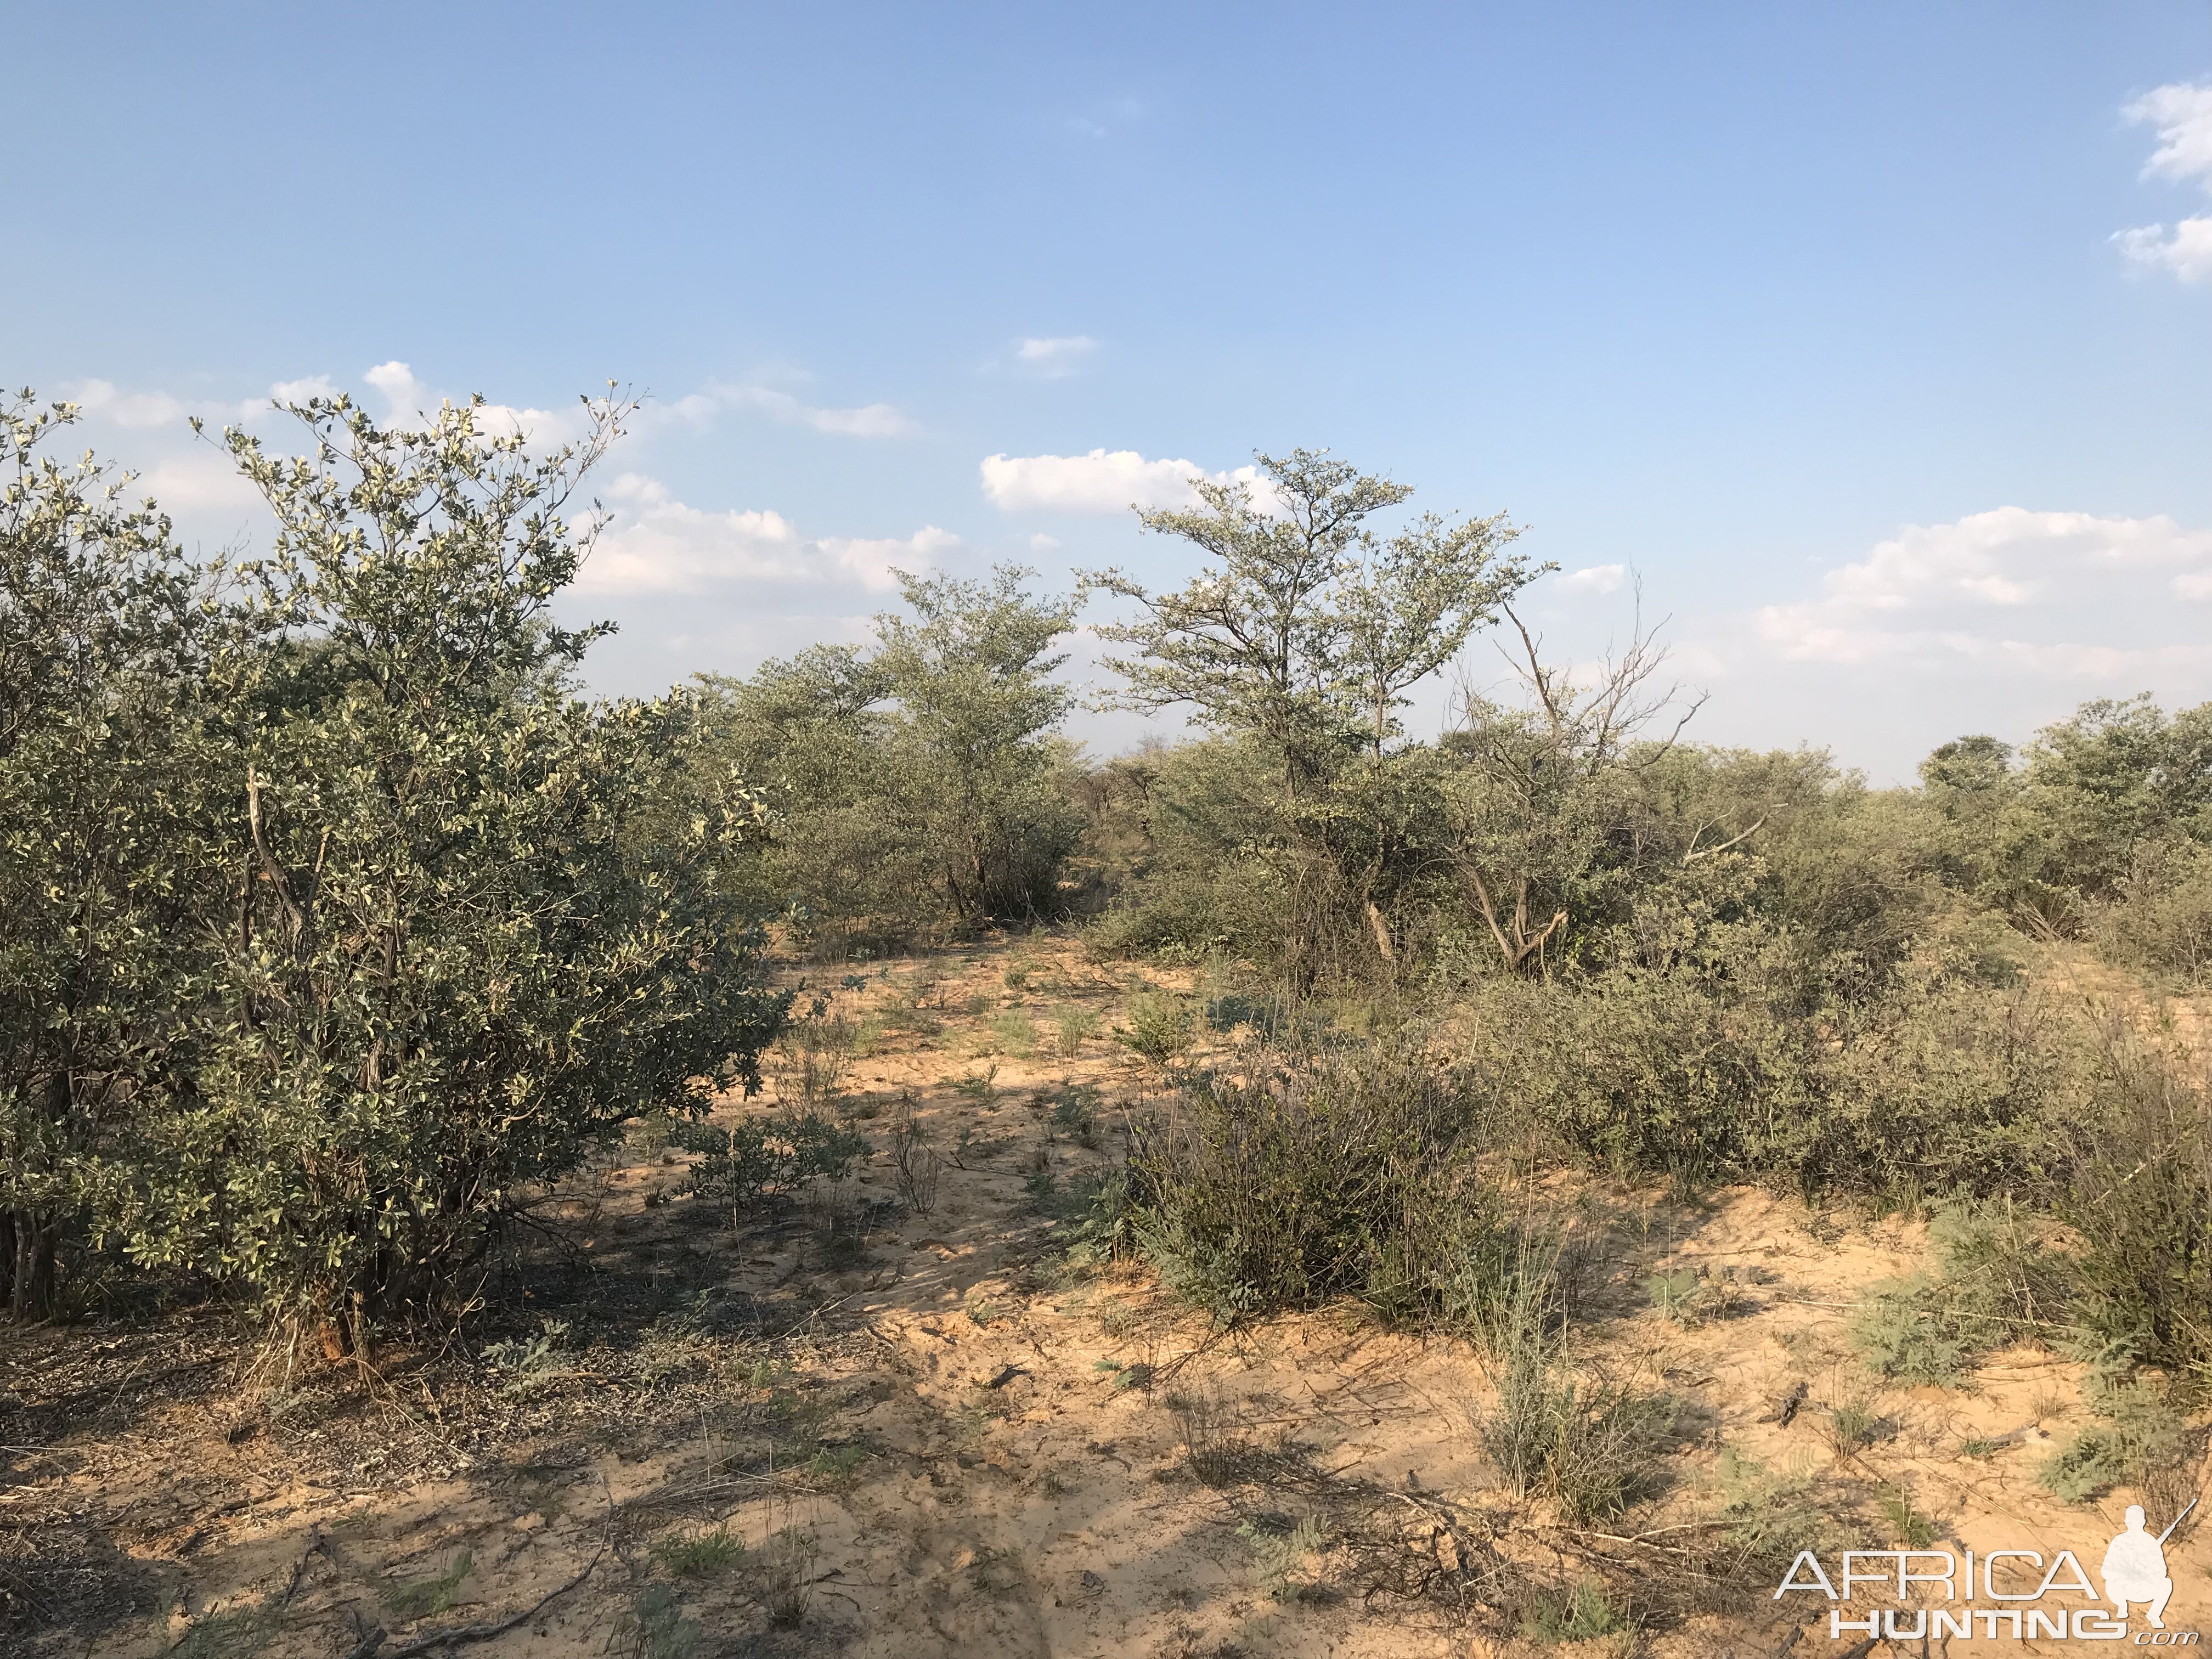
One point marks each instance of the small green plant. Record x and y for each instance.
(699, 1554)
(1578, 1615)
(1076, 1113)
(981, 1310)
(812, 1054)
(835, 1468)
(1017, 974)
(1214, 1446)
(978, 1088)
(1016, 1033)
(1073, 1029)
(2138, 1437)
(1977, 1446)
(528, 1364)
(1282, 1553)
(980, 1003)
(1855, 1424)
(1591, 1446)
(421, 1598)
(1766, 1516)
(1907, 1525)
(1159, 1026)
(655, 1626)
(1691, 1296)
(743, 1161)
(1995, 1281)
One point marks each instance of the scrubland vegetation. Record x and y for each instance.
(351, 958)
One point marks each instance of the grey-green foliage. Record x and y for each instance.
(438, 960)
(1580, 1614)
(753, 1157)
(2137, 1193)
(1590, 1445)
(2138, 1432)
(2159, 917)
(1345, 1172)
(2054, 830)
(917, 781)
(109, 845)
(1297, 643)
(1307, 629)
(1995, 1281)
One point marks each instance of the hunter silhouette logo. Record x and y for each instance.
(2134, 1567)
(2134, 1573)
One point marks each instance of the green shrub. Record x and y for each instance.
(1349, 1172)
(704, 1554)
(1159, 1026)
(1072, 1027)
(2139, 1431)
(472, 946)
(1766, 1519)
(2160, 918)
(1995, 1281)
(742, 1162)
(1591, 1446)
(420, 1598)
(1578, 1615)
(1283, 1550)
(2140, 1200)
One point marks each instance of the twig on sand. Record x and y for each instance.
(371, 1645)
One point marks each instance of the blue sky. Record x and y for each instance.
(1876, 340)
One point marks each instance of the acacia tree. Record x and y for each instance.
(1302, 637)
(975, 707)
(1308, 628)
(915, 777)
(453, 962)
(105, 866)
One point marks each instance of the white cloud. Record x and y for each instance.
(656, 544)
(2183, 115)
(408, 400)
(1594, 578)
(1055, 357)
(200, 480)
(130, 408)
(865, 421)
(302, 390)
(1100, 482)
(1042, 543)
(2187, 253)
(2010, 588)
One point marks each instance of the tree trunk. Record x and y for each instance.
(30, 1273)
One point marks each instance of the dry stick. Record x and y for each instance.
(471, 1632)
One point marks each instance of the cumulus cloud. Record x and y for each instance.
(1100, 482)
(2182, 116)
(1054, 357)
(410, 401)
(1594, 578)
(2184, 251)
(655, 543)
(2011, 588)
(2182, 113)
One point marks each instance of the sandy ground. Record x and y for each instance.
(931, 1439)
